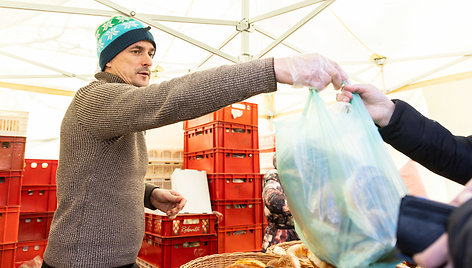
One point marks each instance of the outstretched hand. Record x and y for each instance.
(309, 70)
(168, 201)
(379, 106)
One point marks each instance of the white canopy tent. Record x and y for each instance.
(415, 50)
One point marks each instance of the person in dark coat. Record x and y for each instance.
(430, 144)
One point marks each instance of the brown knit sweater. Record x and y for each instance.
(99, 221)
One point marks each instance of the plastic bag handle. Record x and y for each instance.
(356, 101)
(308, 102)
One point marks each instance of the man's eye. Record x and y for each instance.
(135, 51)
(151, 55)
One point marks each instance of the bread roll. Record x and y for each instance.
(279, 251)
(286, 261)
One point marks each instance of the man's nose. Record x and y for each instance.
(147, 61)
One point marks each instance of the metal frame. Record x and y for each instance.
(244, 27)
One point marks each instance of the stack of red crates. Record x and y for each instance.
(225, 144)
(38, 203)
(12, 154)
(172, 243)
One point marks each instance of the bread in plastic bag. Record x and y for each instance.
(342, 187)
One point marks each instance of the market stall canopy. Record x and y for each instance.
(421, 49)
(389, 43)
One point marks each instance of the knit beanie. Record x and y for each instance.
(118, 33)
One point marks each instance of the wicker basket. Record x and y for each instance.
(286, 245)
(225, 259)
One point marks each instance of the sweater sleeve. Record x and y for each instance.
(109, 110)
(460, 235)
(147, 195)
(429, 143)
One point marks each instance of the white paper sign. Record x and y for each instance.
(193, 185)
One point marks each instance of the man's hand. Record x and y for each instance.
(309, 70)
(168, 201)
(379, 106)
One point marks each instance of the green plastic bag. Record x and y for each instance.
(342, 187)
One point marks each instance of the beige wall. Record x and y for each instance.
(167, 137)
(450, 105)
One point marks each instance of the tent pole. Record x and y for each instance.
(37, 89)
(274, 37)
(244, 28)
(223, 44)
(56, 9)
(284, 10)
(64, 73)
(435, 81)
(167, 30)
(106, 13)
(435, 70)
(294, 28)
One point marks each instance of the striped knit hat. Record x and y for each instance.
(118, 33)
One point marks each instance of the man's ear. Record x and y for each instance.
(108, 64)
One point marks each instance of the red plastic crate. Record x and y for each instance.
(34, 226)
(10, 188)
(7, 255)
(221, 135)
(228, 186)
(9, 218)
(244, 113)
(38, 198)
(239, 212)
(12, 153)
(182, 225)
(223, 161)
(240, 239)
(40, 172)
(174, 252)
(26, 251)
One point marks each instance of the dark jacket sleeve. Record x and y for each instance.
(147, 196)
(460, 235)
(429, 143)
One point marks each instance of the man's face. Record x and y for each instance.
(133, 64)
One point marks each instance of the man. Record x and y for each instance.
(433, 146)
(99, 221)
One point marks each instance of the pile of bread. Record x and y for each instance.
(296, 256)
